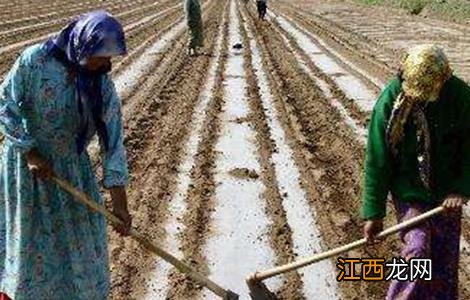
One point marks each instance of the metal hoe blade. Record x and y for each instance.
(259, 291)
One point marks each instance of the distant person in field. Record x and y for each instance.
(195, 27)
(56, 97)
(262, 8)
(419, 150)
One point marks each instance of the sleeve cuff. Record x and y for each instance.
(462, 186)
(114, 178)
(24, 146)
(372, 211)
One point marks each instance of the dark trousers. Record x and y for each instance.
(261, 9)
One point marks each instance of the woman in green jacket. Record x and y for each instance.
(418, 150)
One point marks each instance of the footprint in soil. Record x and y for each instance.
(241, 120)
(244, 173)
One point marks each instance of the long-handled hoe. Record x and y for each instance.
(204, 281)
(259, 291)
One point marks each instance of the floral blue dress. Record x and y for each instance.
(52, 247)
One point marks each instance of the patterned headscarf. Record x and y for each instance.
(93, 34)
(424, 71)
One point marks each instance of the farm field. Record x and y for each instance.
(244, 158)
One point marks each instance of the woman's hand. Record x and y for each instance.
(119, 198)
(371, 229)
(38, 165)
(454, 202)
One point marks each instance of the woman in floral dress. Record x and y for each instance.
(56, 97)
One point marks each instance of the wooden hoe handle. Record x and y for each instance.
(84, 199)
(327, 254)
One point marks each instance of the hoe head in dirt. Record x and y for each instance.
(259, 291)
(230, 295)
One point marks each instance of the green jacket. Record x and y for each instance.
(449, 122)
